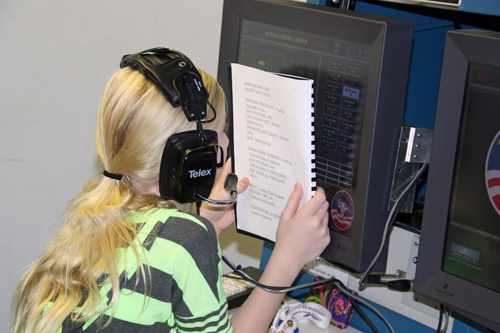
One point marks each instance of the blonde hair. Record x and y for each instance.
(134, 122)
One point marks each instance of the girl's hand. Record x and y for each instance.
(303, 234)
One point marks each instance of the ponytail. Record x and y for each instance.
(76, 260)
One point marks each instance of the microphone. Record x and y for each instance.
(230, 186)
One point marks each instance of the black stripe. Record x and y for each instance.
(148, 242)
(201, 244)
(219, 312)
(161, 281)
(118, 326)
(218, 315)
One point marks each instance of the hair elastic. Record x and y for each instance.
(111, 175)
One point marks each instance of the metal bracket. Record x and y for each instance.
(391, 277)
(414, 149)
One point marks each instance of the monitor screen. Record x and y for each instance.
(459, 256)
(359, 63)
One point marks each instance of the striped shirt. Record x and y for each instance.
(183, 287)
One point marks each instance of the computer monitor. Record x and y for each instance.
(459, 253)
(359, 63)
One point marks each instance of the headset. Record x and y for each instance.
(189, 161)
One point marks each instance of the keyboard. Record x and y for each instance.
(237, 289)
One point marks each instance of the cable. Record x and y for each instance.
(407, 227)
(218, 202)
(338, 283)
(371, 307)
(390, 220)
(363, 315)
(403, 285)
(214, 116)
(272, 289)
(447, 321)
(230, 185)
(440, 319)
(356, 306)
(443, 311)
(396, 284)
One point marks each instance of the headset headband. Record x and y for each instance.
(175, 75)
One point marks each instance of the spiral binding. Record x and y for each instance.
(313, 142)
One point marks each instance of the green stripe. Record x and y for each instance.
(132, 306)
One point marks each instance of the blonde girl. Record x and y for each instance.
(126, 260)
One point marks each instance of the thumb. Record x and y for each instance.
(293, 203)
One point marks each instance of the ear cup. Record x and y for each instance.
(188, 168)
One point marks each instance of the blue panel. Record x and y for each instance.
(421, 22)
(267, 250)
(488, 7)
(424, 77)
(317, 2)
(425, 66)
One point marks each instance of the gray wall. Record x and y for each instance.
(55, 59)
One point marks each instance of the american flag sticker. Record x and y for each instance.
(493, 172)
(342, 210)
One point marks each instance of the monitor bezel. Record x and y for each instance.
(392, 39)
(471, 300)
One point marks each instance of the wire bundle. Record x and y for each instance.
(335, 301)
